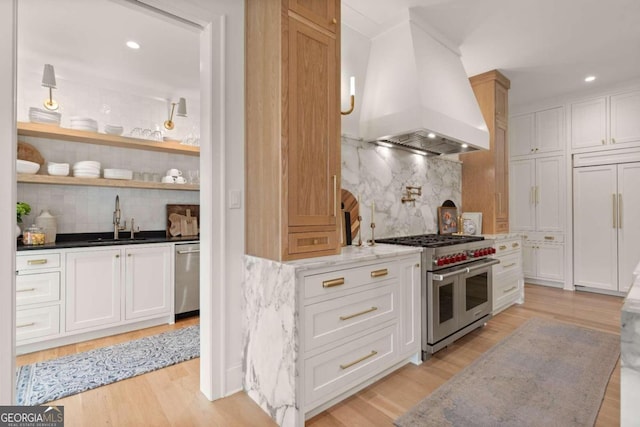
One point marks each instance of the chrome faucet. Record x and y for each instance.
(116, 220)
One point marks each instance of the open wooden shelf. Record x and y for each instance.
(64, 134)
(102, 182)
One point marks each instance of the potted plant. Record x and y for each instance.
(22, 208)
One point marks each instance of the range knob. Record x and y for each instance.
(476, 254)
(458, 257)
(493, 250)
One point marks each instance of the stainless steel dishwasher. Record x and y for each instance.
(187, 278)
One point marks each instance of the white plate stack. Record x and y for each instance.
(84, 123)
(38, 115)
(113, 129)
(58, 169)
(117, 174)
(86, 169)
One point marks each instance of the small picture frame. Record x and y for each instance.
(447, 220)
(472, 223)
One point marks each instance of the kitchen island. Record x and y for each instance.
(320, 329)
(630, 355)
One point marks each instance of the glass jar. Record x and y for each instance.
(33, 235)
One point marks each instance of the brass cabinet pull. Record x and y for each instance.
(117, 256)
(509, 265)
(129, 255)
(619, 210)
(348, 365)
(615, 216)
(531, 196)
(36, 261)
(515, 245)
(510, 289)
(537, 195)
(332, 283)
(502, 247)
(335, 21)
(379, 273)
(25, 325)
(549, 238)
(613, 140)
(603, 142)
(26, 290)
(351, 316)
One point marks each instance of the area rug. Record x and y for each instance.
(545, 373)
(43, 382)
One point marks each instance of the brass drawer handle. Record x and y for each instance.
(36, 261)
(26, 290)
(509, 265)
(351, 316)
(502, 247)
(380, 273)
(25, 325)
(549, 238)
(348, 365)
(332, 283)
(510, 289)
(515, 245)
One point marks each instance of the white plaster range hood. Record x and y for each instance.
(417, 95)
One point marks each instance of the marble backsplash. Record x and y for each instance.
(380, 175)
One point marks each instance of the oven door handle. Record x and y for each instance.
(441, 277)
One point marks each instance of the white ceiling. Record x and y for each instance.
(545, 47)
(87, 37)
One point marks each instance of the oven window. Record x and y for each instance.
(445, 300)
(476, 290)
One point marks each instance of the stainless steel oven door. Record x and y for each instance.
(476, 292)
(443, 304)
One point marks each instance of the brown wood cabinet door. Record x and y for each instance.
(502, 106)
(313, 151)
(322, 12)
(502, 173)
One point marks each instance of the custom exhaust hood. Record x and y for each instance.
(417, 96)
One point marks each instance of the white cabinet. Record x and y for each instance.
(96, 279)
(147, 281)
(543, 258)
(538, 194)
(508, 276)
(606, 122)
(38, 296)
(93, 288)
(537, 133)
(410, 314)
(606, 233)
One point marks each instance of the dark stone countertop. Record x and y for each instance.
(80, 240)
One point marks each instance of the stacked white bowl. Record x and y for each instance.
(58, 169)
(38, 115)
(25, 166)
(113, 129)
(86, 169)
(84, 123)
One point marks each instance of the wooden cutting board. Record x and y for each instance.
(29, 153)
(175, 224)
(351, 205)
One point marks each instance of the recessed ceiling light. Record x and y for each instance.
(133, 45)
(465, 145)
(431, 135)
(589, 79)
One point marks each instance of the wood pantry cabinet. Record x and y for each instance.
(292, 128)
(485, 174)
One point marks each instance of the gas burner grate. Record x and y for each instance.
(430, 240)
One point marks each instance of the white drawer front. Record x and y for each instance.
(338, 281)
(340, 317)
(507, 245)
(37, 262)
(544, 237)
(506, 288)
(508, 263)
(36, 288)
(335, 371)
(37, 322)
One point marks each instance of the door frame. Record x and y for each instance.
(212, 166)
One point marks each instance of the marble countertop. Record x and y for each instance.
(504, 236)
(632, 301)
(354, 254)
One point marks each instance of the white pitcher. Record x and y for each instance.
(49, 224)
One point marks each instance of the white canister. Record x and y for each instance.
(49, 225)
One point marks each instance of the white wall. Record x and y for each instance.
(7, 201)
(354, 59)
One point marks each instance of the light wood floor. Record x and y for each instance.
(170, 396)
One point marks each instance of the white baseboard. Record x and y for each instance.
(233, 380)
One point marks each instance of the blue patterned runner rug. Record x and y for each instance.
(43, 382)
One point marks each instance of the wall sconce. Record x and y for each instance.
(352, 93)
(49, 80)
(182, 112)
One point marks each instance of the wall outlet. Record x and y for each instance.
(235, 199)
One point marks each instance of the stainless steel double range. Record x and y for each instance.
(456, 286)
